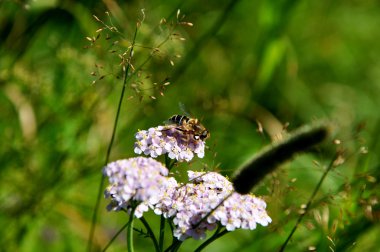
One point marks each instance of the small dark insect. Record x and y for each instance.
(189, 126)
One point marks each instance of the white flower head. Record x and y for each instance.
(190, 206)
(169, 140)
(138, 180)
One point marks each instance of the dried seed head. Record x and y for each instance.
(96, 18)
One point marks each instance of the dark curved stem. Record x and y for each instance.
(174, 247)
(162, 233)
(169, 163)
(215, 236)
(209, 213)
(101, 184)
(151, 234)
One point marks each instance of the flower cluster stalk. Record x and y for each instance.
(101, 184)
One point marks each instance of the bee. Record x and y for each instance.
(189, 126)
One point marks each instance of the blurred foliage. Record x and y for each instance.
(243, 64)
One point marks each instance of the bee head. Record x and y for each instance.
(203, 136)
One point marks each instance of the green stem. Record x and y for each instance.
(215, 236)
(204, 38)
(168, 162)
(101, 184)
(170, 221)
(115, 236)
(162, 233)
(151, 234)
(175, 246)
(162, 219)
(130, 230)
(331, 165)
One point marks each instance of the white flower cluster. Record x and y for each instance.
(142, 180)
(136, 180)
(168, 140)
(207, 193)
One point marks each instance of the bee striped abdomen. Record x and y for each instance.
(178, 119)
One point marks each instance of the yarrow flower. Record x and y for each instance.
(202, 204)
(168, 140)
(207, 193)
(137, 181)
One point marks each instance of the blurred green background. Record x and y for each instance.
(279, 64)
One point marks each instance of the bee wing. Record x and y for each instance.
(167, 122)
(183, 109)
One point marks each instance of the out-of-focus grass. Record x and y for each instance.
(270, 61)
